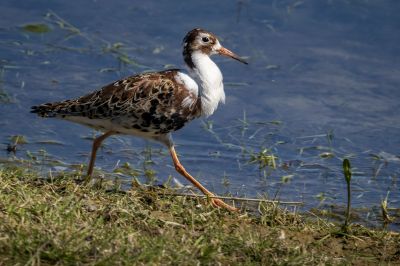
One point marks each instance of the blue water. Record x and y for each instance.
(327, 72)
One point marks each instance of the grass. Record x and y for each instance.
(58, 221)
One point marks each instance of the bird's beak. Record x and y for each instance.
(226, 52)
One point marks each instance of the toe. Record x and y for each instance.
(219, 203)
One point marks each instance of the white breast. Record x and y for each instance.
(188, 82)
(191, 86)
(210, 80)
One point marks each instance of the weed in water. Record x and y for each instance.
(385, 213)
(36, 28)
(264, 158)
(4, 96)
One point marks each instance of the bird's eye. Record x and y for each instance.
(205, 39)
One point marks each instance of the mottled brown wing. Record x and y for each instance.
(151, 102)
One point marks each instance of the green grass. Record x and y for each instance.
(58, 221)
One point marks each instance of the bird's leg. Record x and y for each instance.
(180, 169)
(96, 144)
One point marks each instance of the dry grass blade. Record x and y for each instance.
(235, 198)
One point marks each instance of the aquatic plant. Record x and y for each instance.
(347, 176)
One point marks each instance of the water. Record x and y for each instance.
(327, 72)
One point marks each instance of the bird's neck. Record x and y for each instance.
(209, 77)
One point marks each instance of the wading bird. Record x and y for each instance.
(153, 105)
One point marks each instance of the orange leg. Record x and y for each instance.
(96, 144)
(180, 169)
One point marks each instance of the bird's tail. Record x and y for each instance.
(48, 109)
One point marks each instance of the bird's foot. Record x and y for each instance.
(218, 203)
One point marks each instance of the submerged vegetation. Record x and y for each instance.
(57, 220)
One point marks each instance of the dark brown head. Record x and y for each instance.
(206, 43)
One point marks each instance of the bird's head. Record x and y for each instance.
(199, 40)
